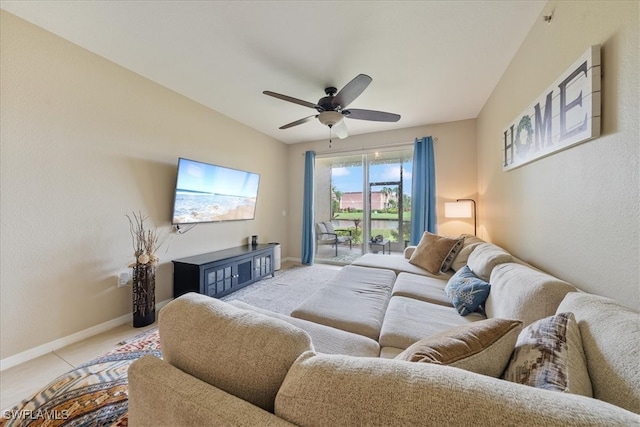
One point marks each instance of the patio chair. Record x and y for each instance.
(327, 235)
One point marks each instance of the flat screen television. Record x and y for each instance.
(212, 193)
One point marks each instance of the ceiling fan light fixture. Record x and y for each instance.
(330, 118)
(332, 108)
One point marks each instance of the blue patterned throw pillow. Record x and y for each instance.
(466, 291)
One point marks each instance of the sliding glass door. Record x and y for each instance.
(389, 215)
(367, 199)
(338, 199)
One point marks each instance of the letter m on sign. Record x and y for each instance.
(543, 124)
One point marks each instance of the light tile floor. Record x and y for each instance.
(23, 380)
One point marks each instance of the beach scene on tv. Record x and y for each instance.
(211, 193)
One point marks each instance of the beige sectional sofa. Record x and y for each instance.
(332, 362)
(401, 310)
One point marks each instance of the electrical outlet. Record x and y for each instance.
(124, 278)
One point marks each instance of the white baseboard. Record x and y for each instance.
(11, 361)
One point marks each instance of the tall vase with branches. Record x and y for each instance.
(145, 244)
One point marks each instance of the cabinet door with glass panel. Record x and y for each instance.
(219, 280)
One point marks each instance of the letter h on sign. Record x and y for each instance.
(508, 147)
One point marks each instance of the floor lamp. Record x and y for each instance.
(462, 208)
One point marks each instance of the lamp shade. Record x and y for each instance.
(462, 209)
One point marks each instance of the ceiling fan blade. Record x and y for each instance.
(298, 122)
(291, 99)
(340, 129)
(351, 91)
(375, 116)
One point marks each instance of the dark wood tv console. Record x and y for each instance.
(219, 273)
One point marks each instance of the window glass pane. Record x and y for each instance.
(381, 206)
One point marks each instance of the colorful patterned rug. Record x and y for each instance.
(94, 394)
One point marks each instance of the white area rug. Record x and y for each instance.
(345, 256)
(284, 292)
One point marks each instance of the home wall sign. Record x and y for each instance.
(566, 114)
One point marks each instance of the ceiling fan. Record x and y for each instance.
(332, 107)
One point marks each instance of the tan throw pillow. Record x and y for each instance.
(432, 251)
(483, 347)
(549, 355)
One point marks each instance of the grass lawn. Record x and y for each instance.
(374, 215)
(387, 233)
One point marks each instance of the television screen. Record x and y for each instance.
(211, 193)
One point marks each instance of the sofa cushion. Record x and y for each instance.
(325, 338)
(549, 355)
(355, 301)
(328, 226)
(466, 291)
(390, 352)
(322, 228)
(409, 320)
(470, 242)
(335, 390)
(244, 353)
(397, 263)
(420, 287)
(610, 338)
(484, 347)
(520, 292)
(432, 251)
(485, 257)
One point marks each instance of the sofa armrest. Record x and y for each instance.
(161, 394)
(408, 251)
(226, 346)
(327, 237)
(344, 230)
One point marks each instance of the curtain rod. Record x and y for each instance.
(371, 148)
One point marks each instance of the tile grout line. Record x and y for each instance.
(64, 360)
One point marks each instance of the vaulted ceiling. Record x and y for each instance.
(431, 61)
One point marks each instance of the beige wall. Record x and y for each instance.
(575, 213)
(455, 160)
(85, 142)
